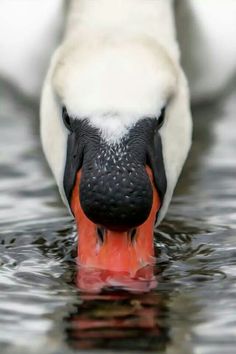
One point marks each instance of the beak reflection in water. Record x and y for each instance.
(115, 258)
(119, 321)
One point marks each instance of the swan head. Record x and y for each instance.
(116, 130)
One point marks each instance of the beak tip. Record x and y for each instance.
(95, 281)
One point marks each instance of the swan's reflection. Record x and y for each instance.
(118, 320)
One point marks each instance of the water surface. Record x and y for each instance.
(192, 309)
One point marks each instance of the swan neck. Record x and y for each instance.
(122, 19)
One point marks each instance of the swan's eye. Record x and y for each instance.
(66, 118)
(161, 118)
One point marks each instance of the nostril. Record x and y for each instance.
(101, 233)
(133, 234)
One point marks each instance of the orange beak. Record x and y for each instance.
(115, 251)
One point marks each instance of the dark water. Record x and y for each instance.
(193, 308)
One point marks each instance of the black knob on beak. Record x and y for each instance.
(115, 191)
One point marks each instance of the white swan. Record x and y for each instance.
(115, 45)
(115, 104)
